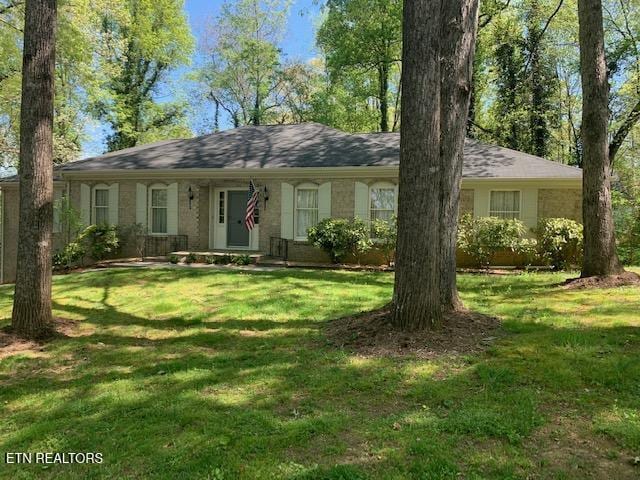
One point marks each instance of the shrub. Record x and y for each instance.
(134, 234)
(71, 254)
(241, 259)
(190, 258)
(69, 218)
(173, 258)
(100, 240)
(222, 259)
(385, 236)
(481, 238)
(626, 210)
(210, 259)
(340, 237)
(559, 242)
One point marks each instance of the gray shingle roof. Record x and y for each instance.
(310, 145)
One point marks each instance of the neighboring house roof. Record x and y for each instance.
(309, 145)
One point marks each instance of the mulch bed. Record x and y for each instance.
(611, 281)
(371, 334)
(12, 344)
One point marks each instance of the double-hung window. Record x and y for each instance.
(100, 206)
(505, 204)
(382, 203)
(306, 210)
(159, 208)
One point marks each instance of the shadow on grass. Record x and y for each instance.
(210, 397)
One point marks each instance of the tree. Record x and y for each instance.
(438, 45)
(143, 41)
(365, 36)
(600, 256)
(32, 299)
(243, 71)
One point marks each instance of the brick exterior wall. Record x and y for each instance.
(194, 221)
(560, 203)
(466, 201)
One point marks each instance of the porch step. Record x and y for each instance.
(201, 257)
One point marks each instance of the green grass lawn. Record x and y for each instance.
(184, 373)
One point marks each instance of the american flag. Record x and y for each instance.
(252, 204)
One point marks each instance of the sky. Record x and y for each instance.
(298, 44)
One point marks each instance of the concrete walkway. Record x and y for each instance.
(155, 264)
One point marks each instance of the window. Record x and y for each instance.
(221, 207)
(158, 210)
(306, 210)
(505, 204)
(382, 204)
(100, 206)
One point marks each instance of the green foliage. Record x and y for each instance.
(244, 74)
(362, 41)
(190, 258)
(241, 260)
(223, 259)
(481, 238)
(68, 217)
(559, 242)
(174, 259)
(143, 43)
(147, 336)
(340, 237)
(385, 237)
(626, 208)
(101, 240)
(71, 255)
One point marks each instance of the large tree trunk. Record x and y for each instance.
(32, 300)
(460, 19)
(438, 40)
(600, 256)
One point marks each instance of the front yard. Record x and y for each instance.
(185, 373)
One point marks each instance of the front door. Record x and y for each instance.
(237, 233)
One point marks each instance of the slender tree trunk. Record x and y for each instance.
(600, 256)
(383, 78)
(438, 39)
(460, 19)
(32, 300)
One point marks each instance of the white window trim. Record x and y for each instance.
(303, 186)
(519, 212)
(94, 190)
(380, 185)
(151, 188)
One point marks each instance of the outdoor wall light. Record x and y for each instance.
(266, 194)
(190, 196)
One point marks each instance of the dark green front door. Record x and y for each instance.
(237, 233)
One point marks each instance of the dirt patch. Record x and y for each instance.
(568, 444)
(11, 344)
(372, 334)
(611, 281)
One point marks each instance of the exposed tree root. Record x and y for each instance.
(609, 281)
(12, 344)
(372, 334)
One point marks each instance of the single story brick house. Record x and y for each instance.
(191, 194)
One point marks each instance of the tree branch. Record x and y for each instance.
(621, 134)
